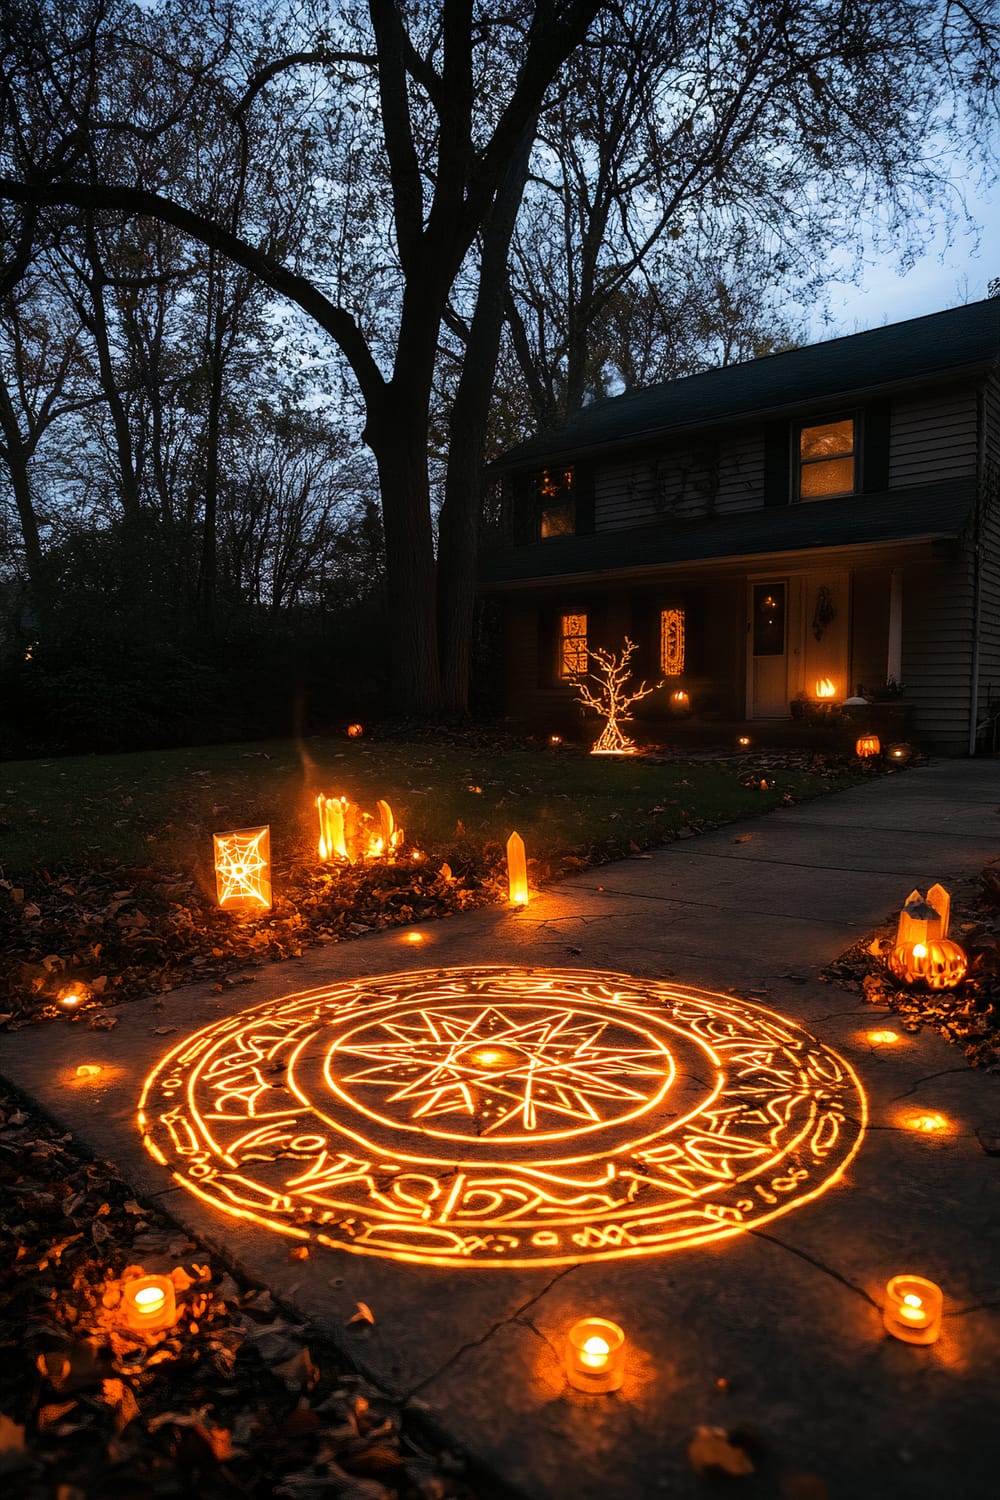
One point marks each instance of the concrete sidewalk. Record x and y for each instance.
(786, 1315)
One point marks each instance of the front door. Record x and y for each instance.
(768, 632)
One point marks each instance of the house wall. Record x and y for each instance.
(711, 478)
(933, 436)
(937, 651)
(989, 538)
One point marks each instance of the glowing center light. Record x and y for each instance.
(595, 1353)
(150, 1299)
(883, 1036)
(912, 1307)
(498, 1115)
(920, 950)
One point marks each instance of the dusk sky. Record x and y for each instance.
(949, 273)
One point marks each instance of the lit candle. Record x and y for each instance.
(913, 1309)
(148, 1303)
(743, 741)
(595, 1355)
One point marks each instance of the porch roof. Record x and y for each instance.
(926, 513)
(959, 339)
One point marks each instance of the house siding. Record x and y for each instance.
(937, 652)
(718, 476)
(989, 514)
(933, 437)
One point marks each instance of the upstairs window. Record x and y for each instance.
(672, 642)
(572, 646)
(556, 503)
(827, 457)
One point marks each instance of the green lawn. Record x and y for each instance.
(159, 808)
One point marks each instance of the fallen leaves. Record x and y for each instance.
(234, 1401)
(712, 1450)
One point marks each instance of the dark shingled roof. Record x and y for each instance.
(959, 339)
(928, 512)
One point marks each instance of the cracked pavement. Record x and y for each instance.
(777, 1330)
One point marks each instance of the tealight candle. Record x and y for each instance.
(149, 1303)
(913, 1309)
(595, 1355)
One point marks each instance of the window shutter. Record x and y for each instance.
(583, 494)
(776, 470)
(522, 505)
(875, 447)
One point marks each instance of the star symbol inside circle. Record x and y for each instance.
(531, 1069)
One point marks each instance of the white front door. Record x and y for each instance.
(767, 678)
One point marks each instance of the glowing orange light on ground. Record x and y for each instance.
(355, 731)
(867, 745)
(595, 1355)
(504, 1116)
(913, 1308)
(744, 742)
(928, 1122)
(680, 701)
(517, 871)
(243, 869)
(825, 688)
(148, 1304)
(612, 698)
(883, 1038)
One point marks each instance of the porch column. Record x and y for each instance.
(894, 664)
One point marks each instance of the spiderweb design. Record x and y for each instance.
(504, 1116)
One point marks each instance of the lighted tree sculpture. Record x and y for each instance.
(612, 697)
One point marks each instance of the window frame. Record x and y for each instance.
(564, 495)
(852, 415)
(566, 679)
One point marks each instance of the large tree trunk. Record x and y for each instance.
(399, 443)
(16, 455)
(458, 523)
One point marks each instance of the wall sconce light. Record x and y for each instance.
(243, 869)
(149, 1304)
(517, 871)
(595, 1355)
(913, 1307)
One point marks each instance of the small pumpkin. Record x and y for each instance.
(868, 744)
(939, 964)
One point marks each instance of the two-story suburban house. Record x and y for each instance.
(826, 515)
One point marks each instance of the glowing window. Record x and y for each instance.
(572, 645)
(557, 507)
(826, 459)
(671, 642)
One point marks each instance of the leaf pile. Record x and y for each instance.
(969, 1015)
(112, 933)
(235, 1401)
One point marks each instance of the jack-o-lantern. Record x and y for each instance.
(938, 964)
(867, 745)
(680, 702)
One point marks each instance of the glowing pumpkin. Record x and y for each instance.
(938, 964)
(868, 744)
(680, 702)
(355, 731)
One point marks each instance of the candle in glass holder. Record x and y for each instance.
(149, 1303)
(595, 1355)
(913, 1309)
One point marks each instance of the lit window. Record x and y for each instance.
(557, 507)
(671, 642)
(826, 459)
(572, 645)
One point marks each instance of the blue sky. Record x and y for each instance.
(954, 269)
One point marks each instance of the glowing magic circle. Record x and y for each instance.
(504, 1116)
